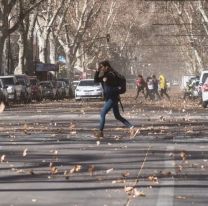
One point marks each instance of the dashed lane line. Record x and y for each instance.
(166, 192)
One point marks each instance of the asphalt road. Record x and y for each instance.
(50, 156)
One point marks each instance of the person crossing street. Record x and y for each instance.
(106, 75)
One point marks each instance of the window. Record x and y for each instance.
(8, 81)
(88, 83)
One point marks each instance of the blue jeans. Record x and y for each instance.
(106, 108)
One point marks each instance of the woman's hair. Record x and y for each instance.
(105, 63)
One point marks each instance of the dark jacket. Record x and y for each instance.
(110, 86)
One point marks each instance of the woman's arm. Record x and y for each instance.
(98, 77)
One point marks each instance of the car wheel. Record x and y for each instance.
(204, 104)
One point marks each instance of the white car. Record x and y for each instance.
(87, 89)
(203, 85)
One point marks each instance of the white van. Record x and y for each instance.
(203, 82)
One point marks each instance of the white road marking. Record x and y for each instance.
(166, 192)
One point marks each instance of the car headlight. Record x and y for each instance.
(77, 90)
(99, 90)
(10, 89)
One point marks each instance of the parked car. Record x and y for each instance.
(24, 80)
(62, 89)
(87, 88)
(68, 86)
(49, 92)
(185, 79)
(12, 88)
(191, 90)
(203, 83)
(36, 88)
(59, 90)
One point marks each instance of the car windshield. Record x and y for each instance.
(59, 84)
(65, 80)
(33, 81)
(8, 81)
(21, 81)
(46, 84)
(88, 83)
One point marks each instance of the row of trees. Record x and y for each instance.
(85, 31)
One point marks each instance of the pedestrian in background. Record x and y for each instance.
(155, 86)
(105, 74)
(149, 88)
(140, 84)
(163, 86)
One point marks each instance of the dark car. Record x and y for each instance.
(24, 80)
(69, 92)
(49, 92)
(62, 89)
(36, 89)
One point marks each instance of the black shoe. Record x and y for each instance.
(99, 134)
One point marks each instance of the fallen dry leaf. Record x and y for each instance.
(91, 170)
(67, 174)
(25, 127)
(3, 158)
(202, 166)
(134, 132)
(171, 154)
(179, 168)
(181, 197)
(76, 168)
(25, 152)
(72, 126)
(153, 179)
(118, 181)
(82, 111)
(73, 132)
(137, 193)
(31, 172)
(183, 155)
(128, 190)
(54, 170)
(21, 171)
(125, 174)
(109, 170)
(131, 191)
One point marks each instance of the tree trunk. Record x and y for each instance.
(52, 52)
(20, 66)
(29, 64)
(2, 42)
(42, 49)
(69, 67)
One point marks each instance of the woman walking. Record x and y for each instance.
(106, 75)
